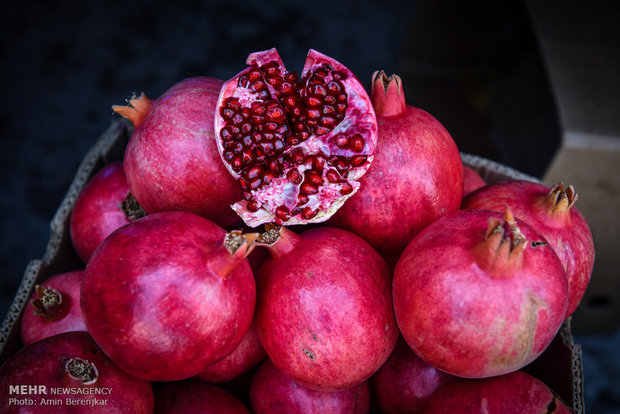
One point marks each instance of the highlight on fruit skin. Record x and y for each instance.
(296, 144)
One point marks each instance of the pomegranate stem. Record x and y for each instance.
(235, 247)
(388, 97)
(136, 109)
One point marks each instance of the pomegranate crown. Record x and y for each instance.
(387, 94)
(559, 200)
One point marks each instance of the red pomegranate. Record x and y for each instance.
(478, 295)
(471, 180)
(514, 393)
(416, 177)
(297, 145)
(169, 294)
(104, 205)
(273, 392)
(84, 379)
(247, 355)
(405, 382)
(196, 398)
(324, 310)
(171, 160)
(553, 214)
(55, 308)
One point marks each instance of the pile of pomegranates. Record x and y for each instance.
(416, 286)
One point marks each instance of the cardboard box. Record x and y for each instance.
(560, 366)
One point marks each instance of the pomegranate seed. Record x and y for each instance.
(294, 176)
(256, 183)
(342, 141)
(267, 147)
(274, 115)
(330, 100)
(329, 110)
(225, 134)
(292, 140)
(332, 176)
(334, 87)
(233, 103)
(247, 140)
(246, 156)
(268, 178)
(246, 128)
(228, 155)
(357, 143)
(245, 112)
(307, 213)
(312, 101)
(246, 195)
(257, 86)
(244, 184)
(307, 188)
(243, 81)
(358, 160)
(253, 172)
(341, 165)
(322, 130)
(296, 156)
(227, 113)
(327, 121)
(278, 145)
(314, 178)
(253, 206)
(259, 156)
(282, 213)
(346, 188)
(302, 199)
(236, 163)
(314, 114)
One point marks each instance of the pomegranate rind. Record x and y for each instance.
(359, 118)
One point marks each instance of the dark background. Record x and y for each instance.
(476, 67)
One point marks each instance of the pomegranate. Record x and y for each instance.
(416, 177)
(169, 294)
(514, 393)
(272, 391)
(475, 303)
(553, 214)
(73, 365)
(471, 180)
(196, 398)
(324, 307)
(405, 382)
(297, 145)
(171, 160)
(104, 205)
(55, 308)
(248, 354)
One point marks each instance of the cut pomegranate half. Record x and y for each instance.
(297, 145)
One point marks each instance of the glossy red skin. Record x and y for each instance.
(415, 178)
(172, 162)
(405, 382)
(196, 398)
(471, 180)
(43, 363)
(97, 211)
(464, 320)
(272, 391)
(514, 393)
(36, 326)
(571, 240)
(324, 311)
(247, 355)
(152, 303)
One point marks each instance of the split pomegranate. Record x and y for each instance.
(514, 393)
(104, 205)
(273, 392)
(169, 294)
(477, 294)
(55, 308)
(171, 160)
(247, 355)
(70, 361)
(471, 180)
(405, 382)
(296, 144)
(324, 311)
(416, 177)
(196, 398)
(553, 214)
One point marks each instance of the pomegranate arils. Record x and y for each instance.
(296, 129)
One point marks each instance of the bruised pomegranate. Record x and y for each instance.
(273, 392)
(478, 295)
(471, 180)
(514, 393)
(104, 205)
(55, 308)
(196, 398)
(297, 145)
(324, 310)
(171, 160)
(84, 378)
(168, 294)
(416, 177)
(405, 382)
(247, 355)
(553, 214)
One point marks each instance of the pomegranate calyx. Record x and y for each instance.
(131, 208)
(135, 110)
(501, 252)
(81, 371)
(387, 94)
(559, 201)
(227, 254)
(278, 239)
(48, 302)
